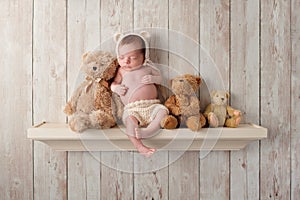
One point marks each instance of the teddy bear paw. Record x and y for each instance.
(68, 109)
(194, 123)
(169, 122)
(78, 125)
(237, 113)
(212, 120)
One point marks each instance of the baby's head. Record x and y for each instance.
(131, 52)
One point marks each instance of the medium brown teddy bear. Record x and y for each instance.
(218, 113)
(184, 106)
(92, 104)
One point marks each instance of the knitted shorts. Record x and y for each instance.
(144, 110)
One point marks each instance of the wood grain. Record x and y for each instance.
(151, 175)
(183, 58)
(84, 175)
(83, 35)
(117, 167)
(117, 175)
(40, 52)
(295, 100)
(15, 99)
(49, 94)
(275, 99)
(214, 39)
(244, 85)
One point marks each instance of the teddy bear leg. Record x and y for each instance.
(194, 123)
(100, 119)
(79, 123)
(212, 120)
(169, 122)
(233, 122)
(202, 120)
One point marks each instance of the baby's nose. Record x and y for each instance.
(127, 60)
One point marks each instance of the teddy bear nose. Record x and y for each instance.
(222, 99)
(94, 68)
(180, 80)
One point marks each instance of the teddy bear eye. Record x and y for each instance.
(181, 80)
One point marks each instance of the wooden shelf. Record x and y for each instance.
(59, 137)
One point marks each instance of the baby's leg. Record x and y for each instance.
(142, 149)
(131, 125)
(152, 127)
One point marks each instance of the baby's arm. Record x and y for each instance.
(154, 77)
(116, 85)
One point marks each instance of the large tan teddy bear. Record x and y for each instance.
(219, 114)
(92, 104)
(184, 105)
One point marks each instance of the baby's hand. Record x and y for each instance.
(147, 79)
(120, 90)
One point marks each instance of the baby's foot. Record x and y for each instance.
(145, 151)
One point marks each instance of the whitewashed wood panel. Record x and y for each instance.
(83, 35)
(117, 176)
(151, 174)
(83, 175)
(184, 175)
(15, 99)
(244, 85)
(49, 94)
(275, 99)
(183, 58)
(60, 31)
(295, 100)
(117, 167)
(214, 39)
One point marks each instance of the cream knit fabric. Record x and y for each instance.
(144, 110)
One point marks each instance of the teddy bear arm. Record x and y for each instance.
(231, 111)
(207, 110)
(194, 104)
(172, 105)
(70, 107)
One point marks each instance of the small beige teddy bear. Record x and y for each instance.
(219, 114)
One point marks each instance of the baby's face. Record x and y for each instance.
(130, 60)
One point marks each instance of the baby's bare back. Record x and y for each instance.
(136, 89)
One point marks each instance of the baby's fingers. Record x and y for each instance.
(123, 90)
(146, 79)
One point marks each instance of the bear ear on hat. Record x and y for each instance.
(117, 36)
(145, 34)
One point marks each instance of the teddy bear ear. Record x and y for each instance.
(117, 36)
(227, 95)
(145, 34)
(212, 93)
(85, 55)
(199, 80)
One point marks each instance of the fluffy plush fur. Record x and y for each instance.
(92, 104)
(184, 106)
(218, 113)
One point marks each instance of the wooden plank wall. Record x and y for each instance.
(255, 45)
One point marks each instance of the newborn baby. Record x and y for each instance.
(135, 83)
